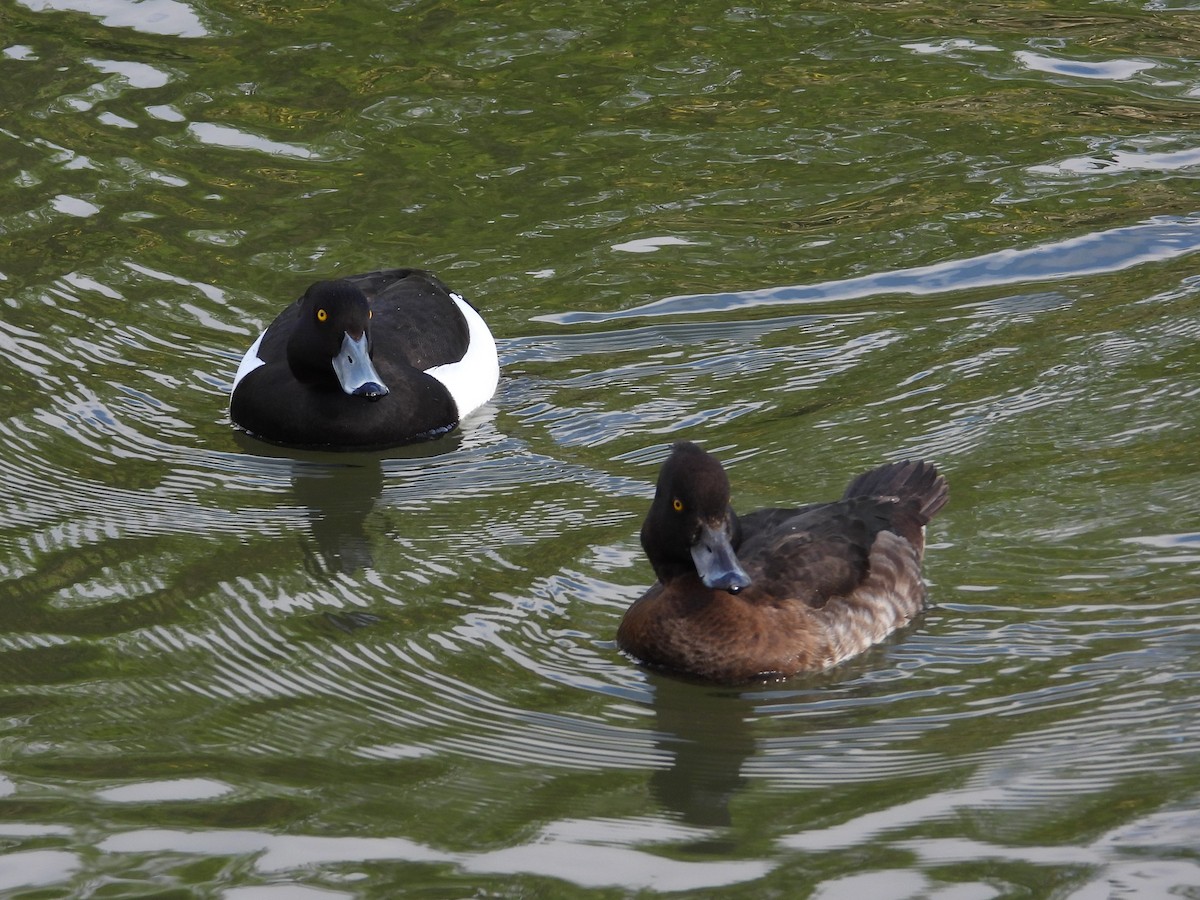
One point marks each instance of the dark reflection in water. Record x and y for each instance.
(338, 492)
(716, 736)
(338, 501)
(706, 732)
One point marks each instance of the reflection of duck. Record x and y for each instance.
(778, 591)
(708, 737)
(367, 361)
(338, 500)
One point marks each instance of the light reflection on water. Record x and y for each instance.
(1156, 241)
(165, 17)
(246, 670)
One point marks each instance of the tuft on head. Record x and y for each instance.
(338, 304)
(695, 478)
(328, 312)
(692, 496)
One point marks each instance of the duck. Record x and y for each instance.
(366, 362)
(777, 592)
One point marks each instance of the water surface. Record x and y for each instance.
(810, 239)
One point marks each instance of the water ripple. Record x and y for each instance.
(167, 17)
(238, 669)
(1155, 241)
(578, 852)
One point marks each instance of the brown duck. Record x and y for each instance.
(777, 591)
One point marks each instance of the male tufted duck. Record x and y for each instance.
(366, 362)
(777, 591)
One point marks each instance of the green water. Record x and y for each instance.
(810, 238)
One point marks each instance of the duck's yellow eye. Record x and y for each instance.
(677, 505)
(322, 315)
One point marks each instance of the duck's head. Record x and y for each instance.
(690, 526)
(332, 340)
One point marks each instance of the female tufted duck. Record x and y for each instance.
(366, 362)
(778, 591)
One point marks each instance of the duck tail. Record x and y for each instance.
(911, 479)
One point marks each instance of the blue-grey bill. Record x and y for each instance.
(716, 562)
(355, 371)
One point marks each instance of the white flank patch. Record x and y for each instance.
(472, 380)
(249, 362)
